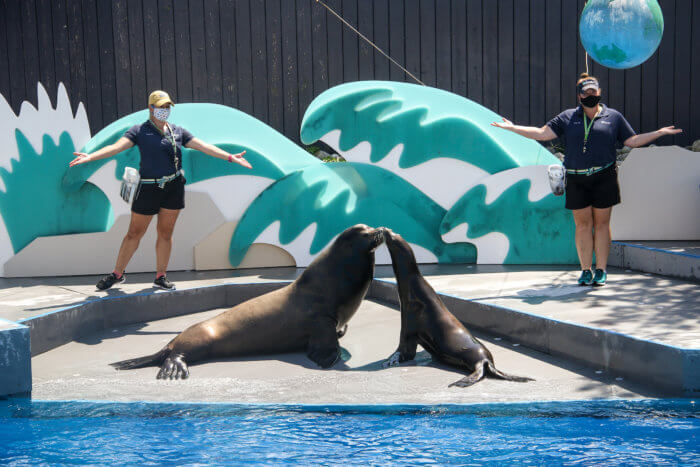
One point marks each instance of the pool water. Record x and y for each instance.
(604, 432)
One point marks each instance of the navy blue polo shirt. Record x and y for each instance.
(608, 129)
(156, 148)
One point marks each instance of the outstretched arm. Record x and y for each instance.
(122, 144)
(544, 133)
(646, 138)
(211, 150)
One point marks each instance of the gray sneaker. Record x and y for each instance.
(163, 283)
(109, 280)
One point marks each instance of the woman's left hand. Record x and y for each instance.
(239, 159)
(669, 130)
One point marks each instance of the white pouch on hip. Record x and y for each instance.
(557, 180)
(130, 181)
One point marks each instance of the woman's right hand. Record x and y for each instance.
(505, 124)
(80, 158)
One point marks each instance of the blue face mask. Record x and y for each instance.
(161, 114)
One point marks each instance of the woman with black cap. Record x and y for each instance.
(161, 188)
(590, 133)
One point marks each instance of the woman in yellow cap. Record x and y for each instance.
(590, 133)
(161, 190)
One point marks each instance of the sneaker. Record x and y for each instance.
(600, 277)
(586, 277)
(109, 280)
(162, 282)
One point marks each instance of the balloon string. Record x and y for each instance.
(584, 7)
(369, 42)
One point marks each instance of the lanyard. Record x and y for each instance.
(171, 139)
(173, 142)
(587, 128)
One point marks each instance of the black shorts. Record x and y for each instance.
(600, 190)
(150, 198)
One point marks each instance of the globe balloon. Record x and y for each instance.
(621, 33)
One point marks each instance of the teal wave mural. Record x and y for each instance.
(339, 195)
(270, 153)
(540, 232)
(34, 203)
(430, 122)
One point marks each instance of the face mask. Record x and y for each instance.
(590, 101)
(161, 114)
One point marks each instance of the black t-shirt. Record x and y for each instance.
(609, 128)
(156, 148)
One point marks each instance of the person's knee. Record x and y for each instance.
(165, 233)
(584, 225)
(135, 233)
(602, 225)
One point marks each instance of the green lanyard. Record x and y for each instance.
(587, 128)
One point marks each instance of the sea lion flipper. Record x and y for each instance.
(405, 353)
(491, 369)
(140, 362)
(472, 378)
(393, 360)
(324, 348)
(174, 367)
(324, 357)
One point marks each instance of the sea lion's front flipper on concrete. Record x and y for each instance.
(324, 348)
(406, 352)
(174, 367)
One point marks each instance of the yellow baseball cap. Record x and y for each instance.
(158, 98)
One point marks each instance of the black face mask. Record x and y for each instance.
(590, 101)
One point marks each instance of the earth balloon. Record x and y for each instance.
(621, 33)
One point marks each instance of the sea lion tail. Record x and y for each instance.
(150, 360)
(491, 370)
(474, 377)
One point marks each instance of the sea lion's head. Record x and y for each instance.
(395, 241)
(361, 238)
(402, 256)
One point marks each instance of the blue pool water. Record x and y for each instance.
(605, 432)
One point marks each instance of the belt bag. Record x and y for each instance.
(163, 180)
(589, 171)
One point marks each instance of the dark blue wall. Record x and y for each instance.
(270, 58)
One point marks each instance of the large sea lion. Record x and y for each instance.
(309, 314)
(426, 321)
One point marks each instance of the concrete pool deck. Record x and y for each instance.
(544, 322)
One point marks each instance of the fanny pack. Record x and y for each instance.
(589, 171)
(163, 180)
